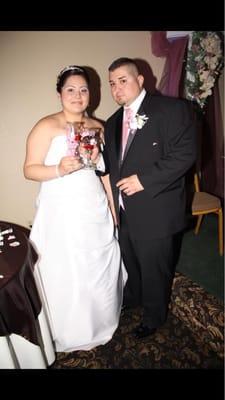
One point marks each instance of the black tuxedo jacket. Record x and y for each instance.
(160, 153)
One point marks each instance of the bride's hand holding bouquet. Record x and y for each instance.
(68, 164)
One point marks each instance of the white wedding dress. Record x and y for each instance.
(79, 273)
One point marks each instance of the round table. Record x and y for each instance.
(25, 339)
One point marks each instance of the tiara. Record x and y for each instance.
(69, 68)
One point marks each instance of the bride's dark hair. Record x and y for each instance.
(68, 71)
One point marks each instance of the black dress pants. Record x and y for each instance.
(150, 265)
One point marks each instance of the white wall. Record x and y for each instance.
(30, 62)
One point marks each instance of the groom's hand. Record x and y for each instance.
(130, 185)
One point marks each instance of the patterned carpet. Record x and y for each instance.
(192, 337)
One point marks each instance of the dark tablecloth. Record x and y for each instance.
(20, 303)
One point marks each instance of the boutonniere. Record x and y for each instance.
(138, 122)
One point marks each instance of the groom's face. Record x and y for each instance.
(126, 84)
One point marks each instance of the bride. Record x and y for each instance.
(79, 272)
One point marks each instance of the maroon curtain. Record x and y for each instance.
(174, 51)
(213, 146)
(210, 139)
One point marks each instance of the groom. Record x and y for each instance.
(149, 147)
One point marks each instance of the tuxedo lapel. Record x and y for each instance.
(129, 141)
(118, 136)
(141, 111)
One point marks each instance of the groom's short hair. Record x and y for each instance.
(124, 61)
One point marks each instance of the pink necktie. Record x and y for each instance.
(126, 121)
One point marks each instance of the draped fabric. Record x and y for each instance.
(174, 51)
(20, 303)
(210, 139)
(213, 147)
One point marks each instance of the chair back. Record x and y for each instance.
(196, 182)
(204, 203)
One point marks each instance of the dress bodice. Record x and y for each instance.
(57, 150)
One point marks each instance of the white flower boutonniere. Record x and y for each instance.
(138, 122)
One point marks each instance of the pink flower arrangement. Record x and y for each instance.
(78, 134)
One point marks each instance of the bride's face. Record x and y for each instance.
(75, 94)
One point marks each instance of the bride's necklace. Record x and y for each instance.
(81, 121)
(75, 122)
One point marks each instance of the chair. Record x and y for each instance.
(204, 203)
